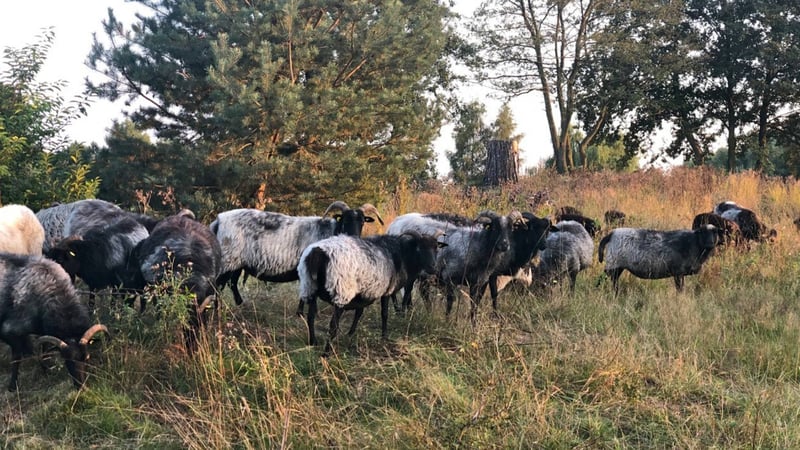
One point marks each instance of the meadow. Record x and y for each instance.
(715, 366)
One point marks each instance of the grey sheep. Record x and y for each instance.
(38, 298)
(472, 256)
(20, 231)
(652, 254)
(567, 252)
(352, 273)
(268, 245)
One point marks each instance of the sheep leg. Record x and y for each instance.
(384, 317)
(475, 295)
(615, 274)
(312, 313)
(17, 352)
(359, 312)
(234, 282)
(407, 291)
(451, 296)
(334, 330)
(573, 278)
(679, 282)
(493, 291)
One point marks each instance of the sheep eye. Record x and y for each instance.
(71, 253)
(487, 226)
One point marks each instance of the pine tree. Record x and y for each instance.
(468, 160)
(285, 102)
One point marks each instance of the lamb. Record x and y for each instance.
(268, 245)
(188, 249)
(652, 254)
(728, 229)
(472, 255)
(567, 251)
(38, 298)
(20, 231)
(752, 228)
(352, 273)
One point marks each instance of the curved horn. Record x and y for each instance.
(94, 329)
(52, 340)
(337, 205)
(186, 212)
(369, 208)
(205, 304)
(517, 218)
(485, 217)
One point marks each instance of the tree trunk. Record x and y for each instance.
(502, 162)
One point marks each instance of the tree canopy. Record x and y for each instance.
(285, 102)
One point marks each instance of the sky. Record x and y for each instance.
(74, 22)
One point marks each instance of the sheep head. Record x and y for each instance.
(74, 352)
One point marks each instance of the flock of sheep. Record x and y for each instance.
(42, 254)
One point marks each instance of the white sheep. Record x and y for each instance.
(20, 231)
(352, 273)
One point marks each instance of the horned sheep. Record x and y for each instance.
(38, 298)
(268, 245)
(730, 233)
(652, 254)
(20, 231)
(352, 273)
(472, 256)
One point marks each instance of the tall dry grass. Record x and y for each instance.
(716, 366)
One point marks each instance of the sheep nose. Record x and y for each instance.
(502, 245)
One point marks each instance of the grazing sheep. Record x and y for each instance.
(652, 254)
(473, 254)
(614, 218)
(101, 255)
(567, 251)
(752, 228)
(591, 225)
(352, 273)
(55, 219)
(20, 231)
(38, 298)
(181, 246)
(728, 229)
(268, 245)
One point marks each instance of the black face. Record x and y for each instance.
(351, 222)
(75, 358)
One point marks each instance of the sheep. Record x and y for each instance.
(20, 231)
(652, 254)
(567, 251)
(591, 225)
(38, 298)
(188, 249)
(472, 256)
(614, 218)
(752, 228)
(101, 255)
(268, 245)
(352, 273)
(728, 229)
(54, 219)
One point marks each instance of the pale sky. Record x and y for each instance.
(75, 21)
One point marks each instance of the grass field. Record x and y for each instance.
(716, 366)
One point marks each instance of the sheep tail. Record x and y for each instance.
(602, 247)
